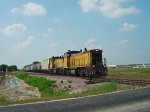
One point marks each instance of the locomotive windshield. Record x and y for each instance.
(96, 58)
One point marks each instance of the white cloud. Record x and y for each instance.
(108, 8)
(91, 44)
(14, 29)
(25, 43)
(125, 41)
(127, 27)
(49, 32)
(88, 5)
(30, 9)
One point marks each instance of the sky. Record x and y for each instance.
(35, 30)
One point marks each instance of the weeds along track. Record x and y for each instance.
(121, 81)
(101, 79)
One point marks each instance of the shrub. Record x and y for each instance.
(42, 84)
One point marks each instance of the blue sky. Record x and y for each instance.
(32, 30)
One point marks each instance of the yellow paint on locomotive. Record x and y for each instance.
(55, 63)
(74, 61)
(58, 63)
(77, 61)
(66, 62)
(80, 60)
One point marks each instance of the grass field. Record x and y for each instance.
(130, 73)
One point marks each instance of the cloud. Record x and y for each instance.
(127, 27)
(14, 29)
(25, 43)
(108, 8)
(30, 9)
(49, 32)
(125, 41)
(88, 5)
(91, 44)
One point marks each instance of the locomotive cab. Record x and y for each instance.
(96, 62)
(96, 57)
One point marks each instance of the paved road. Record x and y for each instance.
(132, 101)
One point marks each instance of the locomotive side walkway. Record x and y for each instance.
(129, 101)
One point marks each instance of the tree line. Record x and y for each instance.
(4, 68)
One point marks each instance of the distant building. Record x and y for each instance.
(130, 66)
(111, 66)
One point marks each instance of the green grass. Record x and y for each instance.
(130, 73)
(106, 88)
(44, 85)
(141, 71)
(2, 99)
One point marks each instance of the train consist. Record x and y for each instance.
(87, 63)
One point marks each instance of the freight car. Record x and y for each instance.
(45, 66)
(36, 67)
(87, 63)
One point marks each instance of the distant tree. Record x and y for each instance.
(12, 68)
(3, 67)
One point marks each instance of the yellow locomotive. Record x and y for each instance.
(79, 63)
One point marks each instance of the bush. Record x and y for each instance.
(42, 84)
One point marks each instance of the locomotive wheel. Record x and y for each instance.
(68, 72)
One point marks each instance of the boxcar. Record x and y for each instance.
(45, 66)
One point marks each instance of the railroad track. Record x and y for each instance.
(121, 81)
